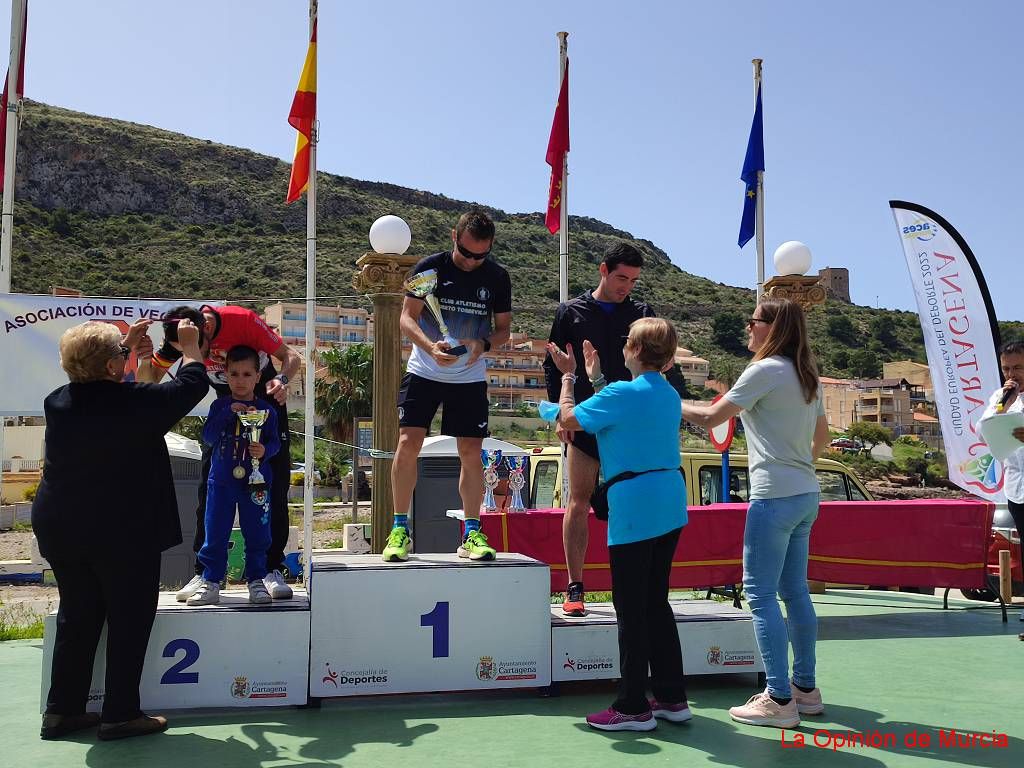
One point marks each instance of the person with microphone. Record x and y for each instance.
(1006, 400)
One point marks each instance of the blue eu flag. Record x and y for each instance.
(752, 163)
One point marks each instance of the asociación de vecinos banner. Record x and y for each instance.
(960, 338)
(31, 327)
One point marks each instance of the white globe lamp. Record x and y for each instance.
(792, 258)
(390, 234)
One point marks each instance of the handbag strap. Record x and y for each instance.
(629, 475)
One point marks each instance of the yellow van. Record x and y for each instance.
(703, 473)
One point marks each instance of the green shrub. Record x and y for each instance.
(30, 492)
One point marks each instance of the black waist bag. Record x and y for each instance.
(599, 498)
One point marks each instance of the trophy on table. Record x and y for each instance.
(253, 422)
(491, 461)
(422, 285)
(516, 466)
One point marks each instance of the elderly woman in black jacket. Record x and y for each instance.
(103, 513)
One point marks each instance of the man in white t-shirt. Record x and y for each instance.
(1011, 363)
(475, 296)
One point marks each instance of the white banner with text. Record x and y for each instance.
(29, 343)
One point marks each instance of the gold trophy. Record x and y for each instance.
(422, 286)
(253, 422)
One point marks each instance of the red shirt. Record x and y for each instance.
(239, 325)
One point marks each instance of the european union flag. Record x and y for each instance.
(752, 163)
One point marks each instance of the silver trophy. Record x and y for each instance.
(491, 461)
(253, 422)
(422, 285)
(516, 481)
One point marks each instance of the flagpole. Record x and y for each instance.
(563, 244)
(310, 388)
(11, 145)
(759, 200)
(10, 158)
(563, 225)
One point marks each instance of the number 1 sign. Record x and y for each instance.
(434, 623)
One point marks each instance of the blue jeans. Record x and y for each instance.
(775, 543)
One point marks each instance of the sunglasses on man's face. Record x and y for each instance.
(470, 254)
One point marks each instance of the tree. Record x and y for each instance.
(346, 390)
(727, 330)
(841, 328)
(869, 433)
(727, 371)
(884, 331)
(840, 359)
(864, 364)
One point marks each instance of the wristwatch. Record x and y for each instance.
(283, 378)
(487, 344)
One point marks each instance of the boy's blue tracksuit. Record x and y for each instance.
(229, 440)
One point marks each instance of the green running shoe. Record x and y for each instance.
(475, 547)
(397, 549)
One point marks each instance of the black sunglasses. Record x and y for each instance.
(469, 254)
(124, 351)
(752, 321)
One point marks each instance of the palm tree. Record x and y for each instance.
(346, 390)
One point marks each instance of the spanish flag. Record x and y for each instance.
(558, 145)
(301, 118)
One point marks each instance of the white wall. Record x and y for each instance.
(26, 442)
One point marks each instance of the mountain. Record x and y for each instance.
(120, 209)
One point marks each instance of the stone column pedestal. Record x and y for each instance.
(381, 277)
(805, 290)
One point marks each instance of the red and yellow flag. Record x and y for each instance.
(558, 145)
(301, 118)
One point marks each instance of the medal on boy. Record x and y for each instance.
(253, 421)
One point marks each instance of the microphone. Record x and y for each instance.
(1007, 394)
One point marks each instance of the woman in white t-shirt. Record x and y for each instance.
(778, 399)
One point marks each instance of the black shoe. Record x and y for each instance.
(140, 726)
(55, 726)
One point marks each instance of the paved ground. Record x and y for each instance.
(888, 662)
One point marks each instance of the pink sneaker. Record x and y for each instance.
(611, 720)
(808, 703)
(761, 709)
(674, 713)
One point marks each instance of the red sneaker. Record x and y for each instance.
(612, 720)
(676, 713)
(574, 605)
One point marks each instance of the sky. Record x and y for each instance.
(863, 103)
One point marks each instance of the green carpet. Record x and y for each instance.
(887, 662)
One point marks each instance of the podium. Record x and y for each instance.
(437, 622)
(715, 637)
(234, 654)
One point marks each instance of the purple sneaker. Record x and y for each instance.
(675, 713)
(611, 720)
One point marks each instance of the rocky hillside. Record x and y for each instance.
(120, 209)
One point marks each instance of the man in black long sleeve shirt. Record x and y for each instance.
(602, 317)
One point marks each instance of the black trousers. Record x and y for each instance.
(121, 591)
(647, 627)
(280, 465)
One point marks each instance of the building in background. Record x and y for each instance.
(836, 282)
(886, 402)
(917, 374)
